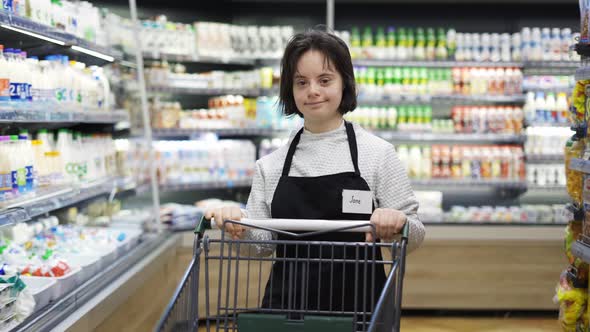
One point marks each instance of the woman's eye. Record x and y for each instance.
(300, 83)
(325, 81)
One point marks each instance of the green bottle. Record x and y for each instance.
(367, 38)
(427, 114)
(411, 117)
(406, 79)
(420, 48)
(410, 43)
(402, 115)
(402, 47)
(441, 47)
(391, 45)
(381, 43)
(355, 43)
(415, 78)
(380, 76)
(371, 76)
(423, 80)
(430, 44)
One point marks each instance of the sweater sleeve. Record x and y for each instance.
(257, 208)
(393, 191)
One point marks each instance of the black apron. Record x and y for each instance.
(322, 286)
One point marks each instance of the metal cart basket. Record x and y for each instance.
(227, 283)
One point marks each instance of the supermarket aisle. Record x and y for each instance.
(428, 324)
(459, 324)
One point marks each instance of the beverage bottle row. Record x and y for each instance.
(546, 108)
(401, 43)
(181, 162)
(26, 164)
(530, 44)
(544, 141)
(487, 81)
(408, 118)
(463, 162)
(546, 174)
(393, 82)
(487, 119)
(79, 18)
(553, 83)
(53, 80)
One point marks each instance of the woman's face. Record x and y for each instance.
(317, 87)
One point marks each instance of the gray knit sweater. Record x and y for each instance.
(328, 153)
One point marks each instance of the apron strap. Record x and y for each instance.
(354, 153)
(291, 152)
(351, 144)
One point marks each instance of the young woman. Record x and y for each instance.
(331, 170)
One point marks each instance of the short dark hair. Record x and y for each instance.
(335, 51)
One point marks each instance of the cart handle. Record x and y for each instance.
(311, 225)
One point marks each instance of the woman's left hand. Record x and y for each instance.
(388, 223)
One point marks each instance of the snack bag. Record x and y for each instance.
(572, 303)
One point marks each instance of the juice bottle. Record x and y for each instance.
(574, 149)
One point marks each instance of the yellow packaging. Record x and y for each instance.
(574, 149)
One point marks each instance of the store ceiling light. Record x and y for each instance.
(32, 34)
(93, 53)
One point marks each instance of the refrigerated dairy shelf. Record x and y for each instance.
(449, 137)
(226, 184)
(74, 306)
(432, 64)
(179, 133)
(38, 113)
(26, 27)
(204, 91)
(51, 199)
(581, 250)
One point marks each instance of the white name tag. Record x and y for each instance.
(357, 201)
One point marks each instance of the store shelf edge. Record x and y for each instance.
(26, 24)
(27, 209)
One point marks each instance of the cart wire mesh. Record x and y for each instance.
(228, 287)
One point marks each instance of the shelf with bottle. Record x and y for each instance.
(402, 43)
(187, 58)
(206, 185)
(181, 133)
(469, 183)
(250, 92)
(39, 28)
(48, 199)
(225, 116)
(39, 112)
(544, 158)
(521, 215)
(468, 124)
(433, 64)
(449, 137)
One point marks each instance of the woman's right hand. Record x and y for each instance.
(223, 213)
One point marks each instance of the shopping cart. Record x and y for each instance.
(234, 273)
